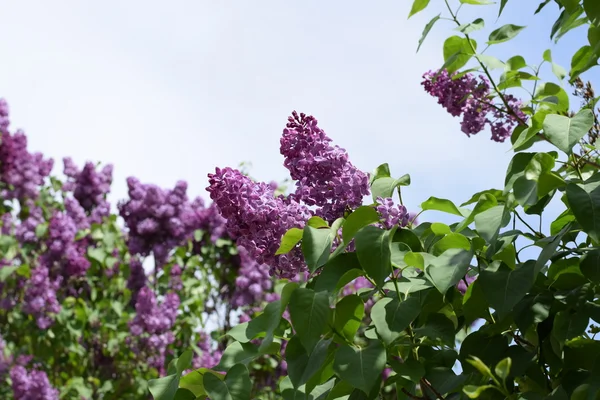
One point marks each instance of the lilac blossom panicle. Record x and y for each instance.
(158, 220)
(137, 278)
(63, 250)
(5, 359)
(152, 326)
(210, 220)
(258, 219)
(4, 116)
(324, 176)
(31, 385)
(252, 282)
(40, 297)
(90, 187)
(25, 231)
(391, 214)
(469, 96)
(209, 357)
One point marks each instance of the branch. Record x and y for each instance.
(425, 382)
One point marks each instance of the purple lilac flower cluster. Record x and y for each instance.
(252, 282)
(21, 172)
(158, 220)
(210, 220)
(137, 278)
(462, 286)
(324, 176)
(152, 326)
(25, 231)
(5, 359)
(391, 214)
(90, 187)
(210, 357)
(63, 250)
(258, 219)
(4, 116)
(31, 385)
(469, 96)
(40, 297)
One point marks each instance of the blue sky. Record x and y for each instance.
(169, 91)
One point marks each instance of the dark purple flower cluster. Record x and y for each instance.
(90, 187)
(470, 97)
(152, 326)
(391, 214)
(158, 220)
(252, 282)
(210, 356)
(4, 116)
(40, 297)
(210, 220)
(324, 176)
(258, 219)
(21, 172)
(63, 250)
(137, 278)
(31, 385)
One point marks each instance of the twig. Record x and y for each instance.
(428, 384)
(410, 395)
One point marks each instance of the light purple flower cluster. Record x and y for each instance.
(6, 224)
(462, 286)
(252, 282)
(324, 176)
(391, 214)
(31, 385)
(40, 297)
(4, 116)
(152, 326)
(25, 231)
(210, 220)
(210, 356)
(158, 220)
(63, 250)
(469, 96)
(258, 219)
(21, 171)
(89, 187)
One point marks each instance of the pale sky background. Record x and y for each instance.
(169, 91)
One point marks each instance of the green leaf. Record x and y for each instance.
(490, 349)
(485, 202)
(489, 222)
(552, 96)
(583, 59)
(385, 186)
(477, 2)
(316, 246)
(558, 71)
(490, 61)
(6, 271)
(317, 222)
(438, 328)
(450, 241)
(391, 316)
(242, 353)
(374, 253)
(361, 367)
(473, 392)
(360, 218)
(480, 366)
(449, 268)
(592, 10)
(589, 266)
(474, 303)
(427, 29)
(434, 203)
(382, 171)
(533, 309)
(418, 5)
(349, 313)
(565, 132)
(165, 388)
(584, 200)
(504, 33)
(302, 365)
(471, 27)
(335, 269)
(504, 287)
(502, 369)
(502, 5)
(236, 386)
(289, 240)
(309, 312)
(515, 63)
(457, 52)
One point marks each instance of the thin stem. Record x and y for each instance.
(410, 395)
(425, 382)
(539, 234)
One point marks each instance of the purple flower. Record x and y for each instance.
(258, 219)
(158, 220)
(210, 356)
(4, 113)
(89, 187)
(22, 172)
(5, 359)
(40, 297)
(505, 122)
(69, 255)
(325, 177)
(152, 326)
(26, 230)
(252, 282)
(6, 223)
(462, 286)
(391, 215)
(31, 385)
